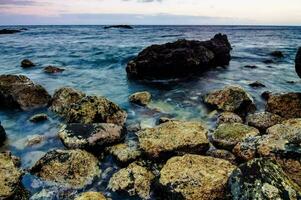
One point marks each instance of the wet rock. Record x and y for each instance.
(287, 105)
(163, 120)
(90, 136)
(135, 180)
(2, 134)
(39, 118)
(90, 196)
(8, 31)
(266, 94)
(222, 154)
(256, 84)
(133, 127)
(277, 54)
(174, 138)
(226, 136)
(140, 98)
(70, 168)
(10, 176)
(229, 117)
(27, 63)
(262, 179)
(125, 152)
(298, 62)
(232, 99)
(119, 26)
(251, 66)
(180, 58)
(263, 120)
(21, 92)
(93, 109)
(53, 70)
(63, 98)
(195, 177)
(247, 149)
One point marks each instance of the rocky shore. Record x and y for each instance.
(250, 153)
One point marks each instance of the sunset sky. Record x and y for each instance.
(263, 12)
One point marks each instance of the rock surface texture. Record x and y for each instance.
(140, 98)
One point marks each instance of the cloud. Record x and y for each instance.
(17, 2)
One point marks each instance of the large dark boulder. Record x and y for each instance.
(180, 58)
(20, 92)
(298, 62)
(2, 134)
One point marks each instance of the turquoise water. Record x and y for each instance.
(95, 61)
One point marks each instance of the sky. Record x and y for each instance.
(166, 12)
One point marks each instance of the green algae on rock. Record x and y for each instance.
(140, 98)
(125, 152)
(90, 136)
(175, 137)
(191, 177)
(90, 196)
(135, 180)
(263, 120)
(262, 179)
(227, 135)
(69, 168)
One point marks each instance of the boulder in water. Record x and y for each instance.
(39, 118)
(53, 70)
(298, 62)
(140, 98)
(277, 54)
(9, 31)
(27, 63)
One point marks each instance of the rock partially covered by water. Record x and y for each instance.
(39, 118)
(21, 92)
(195, 177)
(125, 152)
(263, 120)
(135, 180)
(90, 136)
(90, 196)
(174, 137)
(9, 31)
(63, 98)
(2, 134)
(27, 63)
(277, 54)
(298, 62)
(93, 109)
(262, 179)
(229, 117)
(10, 176)
(180, 58)
(232, 99)
(287, 105)
(227, 135)
(70, 168)
(53, 70)
(140, 98)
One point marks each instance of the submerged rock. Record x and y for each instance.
(27, 63)
(229, 117)
(287, 105)
(70, 168)
(2, 134)
(277, 54)
(140, 98)
(125, 152)
(195, 177)
(298, 62)
(226, 136)
(180, 58)
(262, 179)
(263, 120)
(39, 118)
(232, 99)
(10, 176)
(21, 92)
(90, 136)
(93, 109)
(174, 137)
(135, 180)
(53, 70)
(9, 31)
(90, 196)
(257, 84)
(63, 98)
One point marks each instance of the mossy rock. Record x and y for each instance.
(140, 98)
(125, 152)
(90, 196)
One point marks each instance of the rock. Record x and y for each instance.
(232, 99)
(39, 118)
(263, 120)
(298, 62)
(134, 179)
(93, 109)
(229, 117)
(256, 84)
(27, 63)
(10, 176)
(8, 31)
(180, 58)
(119, 26)
(222, 154)
(69, 168)
(125, 152)
(266, 95)
(90, 196)
(195, 177)
(287, 105)
(21, 92)
(277, 54)
(226, 136)
(163, 120)
(35, 140)
(262, 179)
(2, 134)
(140, 98)
(247, 149)
(133, 127)
(53, 70)
(63, 98)
(251, 66)
(90, 136)
(174, 137)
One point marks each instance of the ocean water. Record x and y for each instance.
(95, 60)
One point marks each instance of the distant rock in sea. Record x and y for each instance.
(298, 62)
(180, 58)
(9, 31)
(119, 26)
